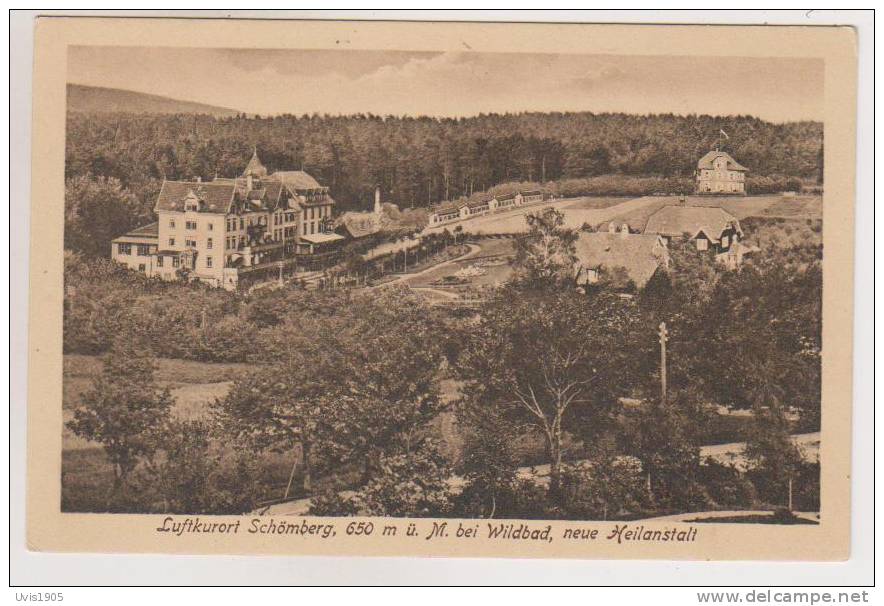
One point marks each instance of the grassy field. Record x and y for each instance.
(742, 207)
(593, 202)
(799, 207)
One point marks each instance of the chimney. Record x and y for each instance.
(377, 200)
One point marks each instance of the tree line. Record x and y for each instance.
(419, 161)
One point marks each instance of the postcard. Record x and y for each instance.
(441, 289)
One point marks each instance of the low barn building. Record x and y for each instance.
(355, 225)
(719, 173)
(638, 256)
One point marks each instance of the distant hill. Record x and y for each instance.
(92, 99)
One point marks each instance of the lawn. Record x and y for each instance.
(593, 202)
(741, 207)
(799, 207)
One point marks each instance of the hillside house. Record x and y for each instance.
(218, 231)
(637, 256)
(710, 228)
(718, 173)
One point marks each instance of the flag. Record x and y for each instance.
(723, 134)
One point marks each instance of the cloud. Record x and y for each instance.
(461, 83)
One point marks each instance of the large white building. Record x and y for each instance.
(220, 230)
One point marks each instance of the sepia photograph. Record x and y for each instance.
(389, 293)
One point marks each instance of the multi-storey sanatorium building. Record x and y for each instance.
(223, 230)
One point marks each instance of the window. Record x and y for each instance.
(124, 249)
(172, 223)
(143, 250)
(209, 243)
(210, 227)
(171, 241)
(208, 261)
(141, 267)
(190, 225)
(242, 223)
(176, 261)
(160, 261)
(725, 241)
(189, 242)
(702, 244)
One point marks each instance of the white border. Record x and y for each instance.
(32, 568)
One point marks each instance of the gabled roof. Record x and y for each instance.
(359, 225)
(151, 229)
(216, 196)
(477, 203)
(505, 197)
(531, 192)
(296, 180)
(675, 221)
(639, 254)
(447, 209)
(706, 161)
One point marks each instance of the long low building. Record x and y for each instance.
(453, 212)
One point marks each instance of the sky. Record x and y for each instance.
(457, 83)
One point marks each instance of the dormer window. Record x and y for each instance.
(192, 202)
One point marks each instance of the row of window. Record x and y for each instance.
(142, 250)
(288, 217)
(732, 175)
(280, 218)
(176, 261)
(190, 225)
(191, 243)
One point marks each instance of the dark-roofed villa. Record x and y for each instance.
(710, 228)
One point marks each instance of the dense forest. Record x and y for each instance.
(421, 161)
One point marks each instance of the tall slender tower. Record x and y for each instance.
(377, 200)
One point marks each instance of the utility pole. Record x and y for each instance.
(664, 336)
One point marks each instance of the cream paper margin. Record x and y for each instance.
(50, 530)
